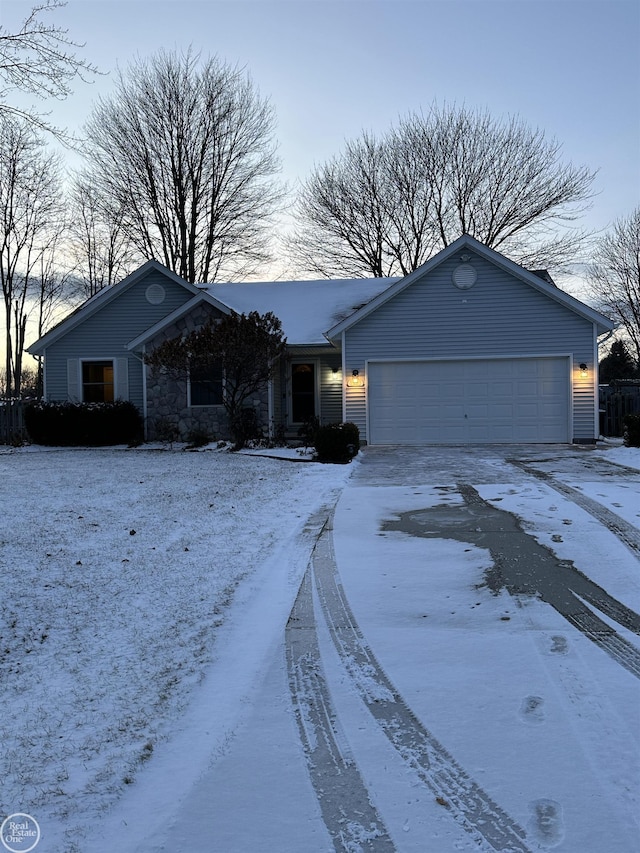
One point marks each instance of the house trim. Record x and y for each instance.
(182, 311)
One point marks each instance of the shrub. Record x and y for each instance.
(198, 437)
(337, 442)
(632, 430)
(309, 429)
(84, 424)
(246, 427)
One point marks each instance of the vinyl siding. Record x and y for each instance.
(330, 386)
(500, 315)
(331, 389)
(107, 332)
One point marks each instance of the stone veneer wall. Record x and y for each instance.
(168, 416)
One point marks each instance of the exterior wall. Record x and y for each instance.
(500, 315)
(106, 334)
(168, 413)
(329, 388)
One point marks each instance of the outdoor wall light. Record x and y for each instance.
(583, 370)
(355, 380)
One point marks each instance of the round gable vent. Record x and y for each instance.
(155, 294)
(464, 276)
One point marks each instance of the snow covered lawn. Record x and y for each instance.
(118, 568)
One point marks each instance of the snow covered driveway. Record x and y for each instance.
(496, 596)
(422, 694)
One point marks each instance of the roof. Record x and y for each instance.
(306, 309)
(312, 313)
(602, 323)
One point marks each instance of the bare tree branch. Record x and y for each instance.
(185, 150)
(40, 60)
(386, 205)
(614, 277)
(31, 219)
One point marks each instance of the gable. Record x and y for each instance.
(499, 313)
(116, 314)
(466, 252)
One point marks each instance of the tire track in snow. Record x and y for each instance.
(627, 533)
(470, 806)
(350, 817)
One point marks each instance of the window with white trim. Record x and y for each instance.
(97, 381)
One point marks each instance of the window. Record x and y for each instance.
(97, 381)
(303, 392)
(205, 385)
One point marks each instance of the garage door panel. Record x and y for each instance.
(493, 400)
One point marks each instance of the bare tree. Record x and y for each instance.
(614, 277)
(99, 244)
(31, 211)
(185, 150)
(386, 205)
(53, 288)
(40, 60)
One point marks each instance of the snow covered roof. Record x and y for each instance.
(306, 309)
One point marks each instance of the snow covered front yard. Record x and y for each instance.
(148, 657)
(117, 570)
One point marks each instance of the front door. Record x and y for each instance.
(303, 392)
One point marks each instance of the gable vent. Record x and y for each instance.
(155, 294)
(464, 276)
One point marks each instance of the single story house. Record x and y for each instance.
(468, 348)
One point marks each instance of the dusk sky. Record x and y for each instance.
(333, 69)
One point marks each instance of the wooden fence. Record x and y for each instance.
(617, 400)
(12, 428)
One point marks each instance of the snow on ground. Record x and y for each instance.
(118, 569)
(141, 589)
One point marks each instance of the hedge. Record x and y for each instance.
(84, 424)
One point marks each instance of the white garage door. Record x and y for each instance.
(508, 401)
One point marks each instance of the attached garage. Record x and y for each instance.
(471, 348)
(471, 401)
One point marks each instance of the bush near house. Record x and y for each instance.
(336, 442)
(84, 424)
(632, 431)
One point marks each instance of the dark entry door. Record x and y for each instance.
(303, 392)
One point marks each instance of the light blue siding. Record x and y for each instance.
(105, 335)
(499, 316)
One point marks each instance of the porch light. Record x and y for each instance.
(355, 380)
(583, 370)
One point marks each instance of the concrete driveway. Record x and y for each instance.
(483, 604)
(459, 671)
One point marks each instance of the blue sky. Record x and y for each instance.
(332, 69)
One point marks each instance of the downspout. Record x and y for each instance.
(144, 390)
(144, 387)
